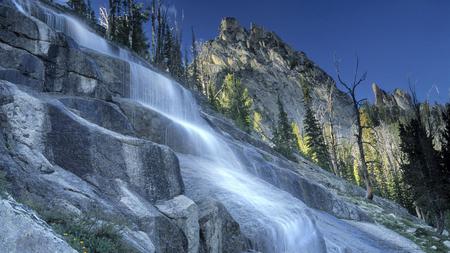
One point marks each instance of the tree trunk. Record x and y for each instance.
(333, 153)
(440, 222)
(419, 212)
(363, 167)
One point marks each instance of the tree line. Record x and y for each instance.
(125, 22)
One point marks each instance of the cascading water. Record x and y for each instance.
(272, 219)
(281, 219)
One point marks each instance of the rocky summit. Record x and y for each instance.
(270, 68)
(99, 150)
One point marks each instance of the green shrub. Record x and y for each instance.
(87, 234)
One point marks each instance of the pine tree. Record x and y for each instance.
(153, 15)
(424, 173)
(315, 141)
(445, 143)
(126, 18)
(212, 96)
(444, 190)
(139, 42)
(195, 80)
(79, 6)
(235, 102)
(317, 150)
(284, 138)
(167, 46)
(90, 13)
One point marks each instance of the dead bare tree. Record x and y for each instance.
(351, 91)
(104, 18)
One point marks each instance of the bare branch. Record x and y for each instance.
(360, 101)
(361, 79)
(219, 91)
(356, 70)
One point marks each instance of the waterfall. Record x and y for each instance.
(273, 220)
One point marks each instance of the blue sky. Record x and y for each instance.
(396, 40)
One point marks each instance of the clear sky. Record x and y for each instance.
(396, 40)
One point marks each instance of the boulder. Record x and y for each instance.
(447, 244)
(23, 232)
(73, 71)
(24, 33)
(219, 232)
(185, 214)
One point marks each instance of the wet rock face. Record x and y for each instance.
(100, 156)
(47, 60)
(151, 125)
(268, 67)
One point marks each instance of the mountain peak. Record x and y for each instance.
(398, 98)
(231, 30)
(268, 67)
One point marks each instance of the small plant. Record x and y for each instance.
(87, 234)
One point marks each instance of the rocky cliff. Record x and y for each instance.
(398, 98)
(269, 68)
(94, 167)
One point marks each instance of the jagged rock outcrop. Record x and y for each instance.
(269, 68)
(398, 98)
(398, 107)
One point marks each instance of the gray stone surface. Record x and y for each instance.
(447, 244)
(40, 55)
(21, 231)
(99, 112)
(151, 125)
(122, 180)
(100, 156)
(219, 232)
(185, 214)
